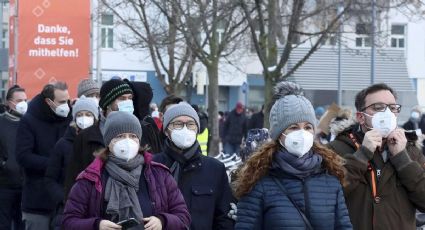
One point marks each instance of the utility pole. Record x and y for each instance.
(99, 44)
(1, 46)
(372, 52)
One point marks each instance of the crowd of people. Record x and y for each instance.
(112, 159)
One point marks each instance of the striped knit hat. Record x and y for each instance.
(111, 90)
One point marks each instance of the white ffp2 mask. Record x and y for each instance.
(298, 142)
(183, 138)
(22, 107)
(125, 149)
(62, 110)
(385, 122)
(84, 122)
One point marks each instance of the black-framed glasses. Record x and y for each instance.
(191, 125)
(381, 107)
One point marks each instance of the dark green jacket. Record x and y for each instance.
(400, 186)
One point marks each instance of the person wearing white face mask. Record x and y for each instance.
(201, 179)
(385, 170)
(85, 113)
(89, 88)
(44, 123)
(11, 177)
(90, 140)
(125, 182)
(291, 181)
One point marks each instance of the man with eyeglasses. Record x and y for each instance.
(385, 171)
(201, 179)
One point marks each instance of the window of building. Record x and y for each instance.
(256, 96)
(398, 36)
(331, 40)
(363, 31)
(107, 30)
(4, 38)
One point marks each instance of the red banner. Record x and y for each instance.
(53, 43)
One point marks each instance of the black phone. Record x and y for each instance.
(129, 223)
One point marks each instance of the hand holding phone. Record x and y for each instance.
(129, 223)
(108, 225)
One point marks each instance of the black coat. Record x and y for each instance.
(10, 174)
(87, 142)
(205, 188)
(235, 128)
(55, 173)
(39, 130)
(256, 121)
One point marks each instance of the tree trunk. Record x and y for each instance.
(270, 82)
(214, 139)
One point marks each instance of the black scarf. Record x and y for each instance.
(180, 157)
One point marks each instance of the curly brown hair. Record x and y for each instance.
(258, 165)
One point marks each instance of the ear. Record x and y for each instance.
(361, 119)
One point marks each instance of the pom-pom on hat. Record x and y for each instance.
(290, 107)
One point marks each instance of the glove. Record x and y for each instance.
(233, 211)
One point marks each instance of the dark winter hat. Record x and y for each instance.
(289, 108)
(120, 122)
(111, 90)
(85, 104)
(180, 109)
(87, 87)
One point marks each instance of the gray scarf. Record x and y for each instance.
(302, 167)
(121, 188)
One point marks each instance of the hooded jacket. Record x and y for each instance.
(10, 173)
(38, 131)
(399, 183)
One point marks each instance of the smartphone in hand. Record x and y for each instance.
(129, 223)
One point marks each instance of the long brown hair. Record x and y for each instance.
(259, 163)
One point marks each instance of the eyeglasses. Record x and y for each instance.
(179, 125)
(381, 107)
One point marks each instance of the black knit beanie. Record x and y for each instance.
(111, 90)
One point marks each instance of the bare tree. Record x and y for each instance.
(148, 29)
(211, 29)
(283, 25)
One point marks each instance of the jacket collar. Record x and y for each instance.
(42, 111)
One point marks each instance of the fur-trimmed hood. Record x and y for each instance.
(337, 126)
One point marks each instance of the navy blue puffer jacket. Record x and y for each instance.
(320, 196)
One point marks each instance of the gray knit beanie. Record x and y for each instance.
(289, 108)
(120, 122)
(180, 109)
(85, 104)
(87, 87)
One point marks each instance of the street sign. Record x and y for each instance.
(244, 87)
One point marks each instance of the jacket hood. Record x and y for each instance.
(338, 126)
(42, 111)
(70, 134)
